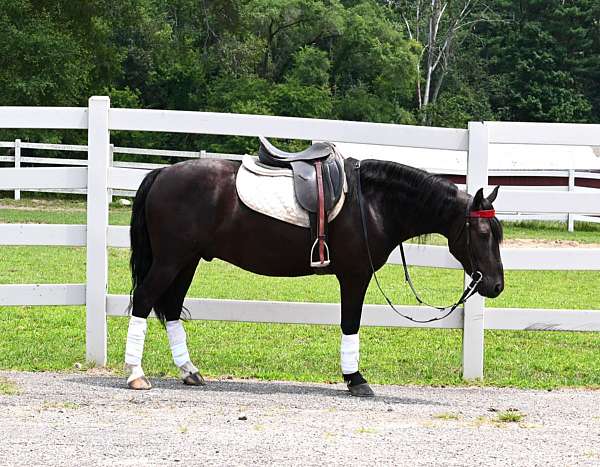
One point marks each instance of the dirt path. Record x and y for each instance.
(86, 419)
(543, 243)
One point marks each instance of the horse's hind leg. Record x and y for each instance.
(169, 306)
(156, 282)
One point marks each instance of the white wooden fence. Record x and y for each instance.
(18, 159)
(99, 177)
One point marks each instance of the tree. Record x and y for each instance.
(440, 27)
(287, 25)
(40, 63)
(545, 64)
(373, 67)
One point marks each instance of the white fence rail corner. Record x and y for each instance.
(100, 176)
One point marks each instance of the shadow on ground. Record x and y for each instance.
(252, 387)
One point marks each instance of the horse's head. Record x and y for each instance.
(476, 244)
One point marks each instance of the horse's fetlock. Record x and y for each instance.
(188, 368)
(354, 379)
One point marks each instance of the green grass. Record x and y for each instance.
(510, 416)
(55, 211)
(447, 416)
(52, 338)
(8, 388)
(305, 353)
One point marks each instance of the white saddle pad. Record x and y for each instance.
(271, 192)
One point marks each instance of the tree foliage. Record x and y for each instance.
(545, 63)
(371, 60)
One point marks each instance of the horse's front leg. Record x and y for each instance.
(352, 290)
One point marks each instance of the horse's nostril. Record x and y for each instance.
(498, 288)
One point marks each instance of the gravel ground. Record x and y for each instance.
(91, 419)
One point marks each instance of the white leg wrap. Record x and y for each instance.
(135, 341)
(177, 340)
(349, 353)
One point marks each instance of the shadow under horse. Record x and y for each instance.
(191, 211)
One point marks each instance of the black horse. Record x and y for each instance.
(191, 211)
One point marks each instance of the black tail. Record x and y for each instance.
(141, 251)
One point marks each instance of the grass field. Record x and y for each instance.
(52, 338)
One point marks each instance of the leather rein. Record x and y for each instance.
(476, 276)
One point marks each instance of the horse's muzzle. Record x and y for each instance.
(490, 288)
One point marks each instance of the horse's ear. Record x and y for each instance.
(477, 199)
(493, 194)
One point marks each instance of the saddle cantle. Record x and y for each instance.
(318, 175)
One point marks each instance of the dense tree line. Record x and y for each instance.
(371, 60)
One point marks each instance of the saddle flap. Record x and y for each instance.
(305, 183)
(305, 179)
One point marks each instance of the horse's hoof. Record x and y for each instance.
(194, 379)
(140, 384)
(361, 390)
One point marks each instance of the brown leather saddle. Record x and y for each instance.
(318, 175)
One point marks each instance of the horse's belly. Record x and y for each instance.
(284, 270)
(262, 245)
(274, 260)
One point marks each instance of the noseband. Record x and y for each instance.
(476, 276)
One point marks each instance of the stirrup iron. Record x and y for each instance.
(326, 260)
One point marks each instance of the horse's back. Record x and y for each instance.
(194, 207)
(184, 204)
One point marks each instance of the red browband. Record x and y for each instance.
(486, 214)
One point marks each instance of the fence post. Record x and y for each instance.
(473, 328)
(570, 217)
(17, 164)
(97, 228)
(111, 159)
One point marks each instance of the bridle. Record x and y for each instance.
(476, 214)
(476, 276)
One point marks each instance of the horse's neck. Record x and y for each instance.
(426, 218)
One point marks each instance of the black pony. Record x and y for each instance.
(191, 211)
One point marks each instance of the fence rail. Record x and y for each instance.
(103, 175)
(128, 189)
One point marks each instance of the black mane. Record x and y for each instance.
(408, 192)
